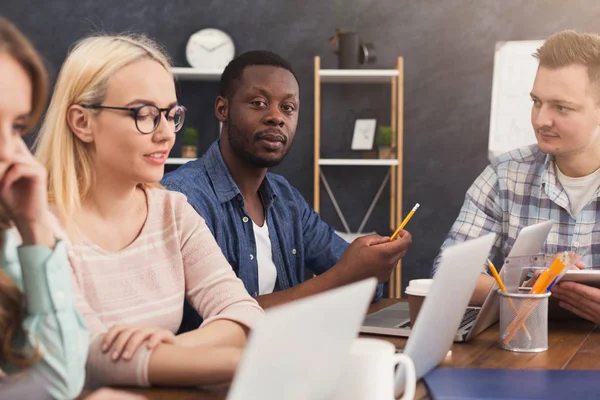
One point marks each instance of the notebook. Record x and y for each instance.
(504, 384)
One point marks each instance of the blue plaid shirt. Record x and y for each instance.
(518, 189)
(300, 239)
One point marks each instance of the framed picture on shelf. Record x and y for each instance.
(364, 134)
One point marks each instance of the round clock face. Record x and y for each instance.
(210, 49)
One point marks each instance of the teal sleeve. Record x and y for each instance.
(51, 322)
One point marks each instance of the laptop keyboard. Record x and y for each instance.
(468, 317)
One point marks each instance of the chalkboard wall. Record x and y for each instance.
(448, 49)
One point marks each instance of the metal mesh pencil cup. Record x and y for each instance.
(524, 322)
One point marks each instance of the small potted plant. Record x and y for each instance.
(190, 143)
(384, 143)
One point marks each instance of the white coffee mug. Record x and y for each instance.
(369, 372)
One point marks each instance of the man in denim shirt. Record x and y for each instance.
(266, 229)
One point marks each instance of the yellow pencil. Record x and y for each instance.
(403, 224)
(496, 276)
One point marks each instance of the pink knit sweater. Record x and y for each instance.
(174, 257)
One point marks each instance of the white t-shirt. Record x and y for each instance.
(579, 190)
(267, 273)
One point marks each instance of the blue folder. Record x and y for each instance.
(477, 383)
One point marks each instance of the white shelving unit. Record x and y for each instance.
(395, 78)
(358, 162)
(196, 74)
(357, 75)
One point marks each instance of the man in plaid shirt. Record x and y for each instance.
(557, 179)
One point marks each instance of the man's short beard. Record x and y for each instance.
(237, 141)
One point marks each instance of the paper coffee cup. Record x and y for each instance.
(417, 290)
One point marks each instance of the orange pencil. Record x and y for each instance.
(548, 276)
(403, 224)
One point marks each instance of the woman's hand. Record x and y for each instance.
(125, 340)
(23, 194)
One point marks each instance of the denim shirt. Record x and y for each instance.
(300, 239)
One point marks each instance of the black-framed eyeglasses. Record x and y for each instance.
(147, 116)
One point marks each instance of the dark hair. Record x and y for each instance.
(232, 75)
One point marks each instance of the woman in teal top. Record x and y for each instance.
(43, 340)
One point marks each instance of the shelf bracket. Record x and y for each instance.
(338, 209)
(335, 203)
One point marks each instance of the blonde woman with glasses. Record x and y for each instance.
(136, 249)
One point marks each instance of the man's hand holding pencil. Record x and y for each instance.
(372, 256)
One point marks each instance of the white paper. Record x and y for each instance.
(364, 133)
(510, 116)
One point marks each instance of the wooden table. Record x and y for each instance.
(572, 344)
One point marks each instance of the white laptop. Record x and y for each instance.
(394, 320)
(444, 306)
(297, 350)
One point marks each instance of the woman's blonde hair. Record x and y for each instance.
(83, 79)
(16, 45)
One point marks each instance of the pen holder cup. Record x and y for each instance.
(523, 322)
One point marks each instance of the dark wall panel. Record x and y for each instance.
(448, 48)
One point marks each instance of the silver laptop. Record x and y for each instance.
(297, 351)
(445, 305)
(394, 320)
